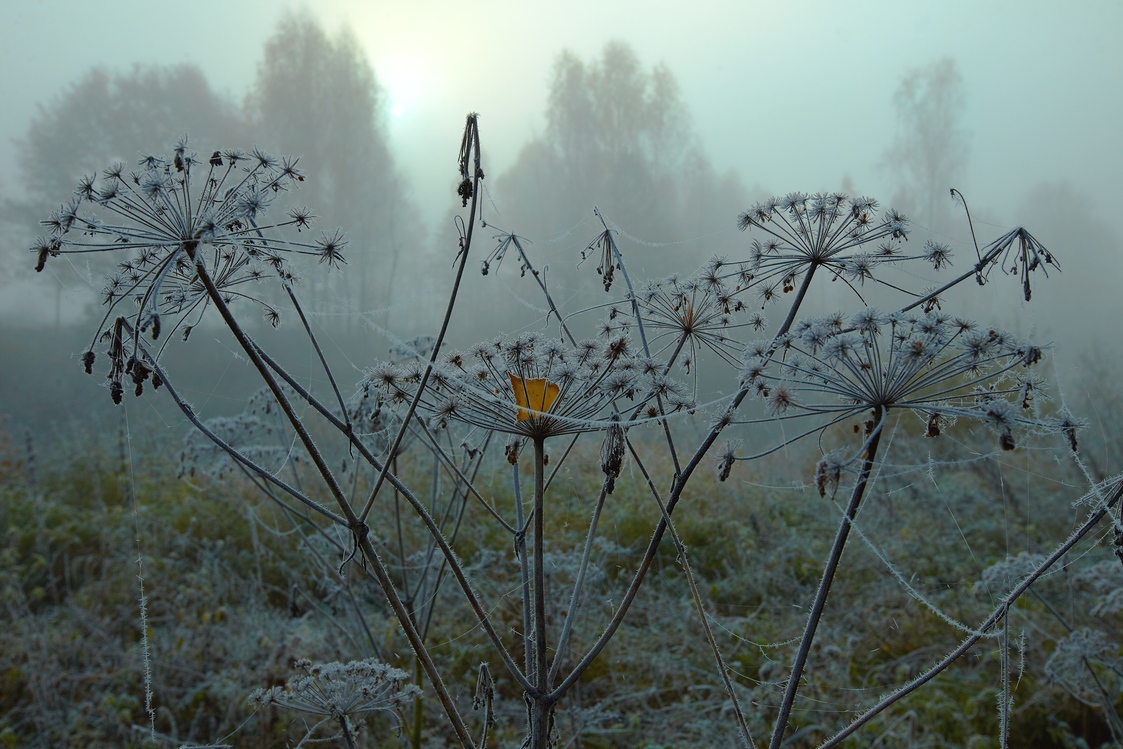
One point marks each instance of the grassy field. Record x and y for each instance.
(237, 589)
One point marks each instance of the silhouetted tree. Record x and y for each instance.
(17, 233)
(317, 98)
(111, 117)
(620, 137)
(929, 154)
(617, 136)
(105, 117)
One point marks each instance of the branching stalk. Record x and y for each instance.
(829, 571)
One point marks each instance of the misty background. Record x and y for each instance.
(670, 118)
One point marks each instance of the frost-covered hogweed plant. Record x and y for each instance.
(535, 387)
(689, 316)
(937, 367)
(197, 237)
(832, 370)
(342, 692)
(829, 230)
(173, 216)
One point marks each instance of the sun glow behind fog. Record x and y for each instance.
(414, 57)
(404, 81)
(408, 50)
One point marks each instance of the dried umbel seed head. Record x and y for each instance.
(1071, 663)
(341, 690)
(139, 372)
(504, 242)
(535, 387)
(602, 247)
(512, 448)
(1002, 576)
(828, 473)
(933, 426)
(940, 368)
(824, 230)
(937, 254)
(1017, 253)
(178, 220)
(692, 314)
(726, 460)
(612, 456)
(485, 688)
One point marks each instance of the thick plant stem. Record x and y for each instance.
(346, 732)
(541, 705)
(524, 575)
(418, 707)
(797, 302)
(541, 722)
(540, 666)
(826, 580)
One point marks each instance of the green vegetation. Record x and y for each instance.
(231, 606)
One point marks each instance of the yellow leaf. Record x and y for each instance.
(533, 393)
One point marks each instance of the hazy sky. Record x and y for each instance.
(794, 95)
